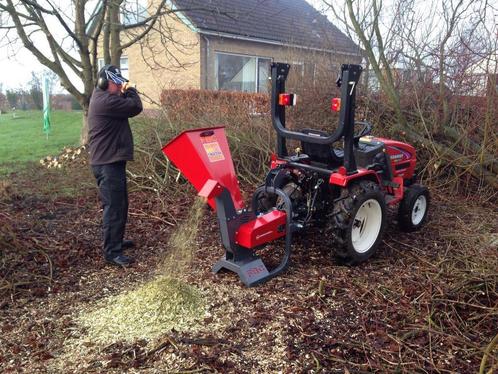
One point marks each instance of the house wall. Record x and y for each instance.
(191, 62)
(152, 68)
(316, 65)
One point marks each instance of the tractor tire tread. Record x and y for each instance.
(342, 215)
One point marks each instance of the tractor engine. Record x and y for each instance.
(306, 190)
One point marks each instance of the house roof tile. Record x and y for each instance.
(288, 21)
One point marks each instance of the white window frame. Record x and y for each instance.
(216, 53)
(294, 64)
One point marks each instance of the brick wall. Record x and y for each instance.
(193, 64)
(152, 69)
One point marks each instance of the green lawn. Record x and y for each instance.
(22, 138)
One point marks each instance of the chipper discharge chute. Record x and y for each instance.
(342, 181)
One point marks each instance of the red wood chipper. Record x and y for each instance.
(345, 189)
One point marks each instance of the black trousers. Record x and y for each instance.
(111, 180)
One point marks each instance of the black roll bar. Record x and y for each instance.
(350, 75)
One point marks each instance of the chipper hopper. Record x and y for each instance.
(345, 190)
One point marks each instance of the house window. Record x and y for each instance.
(123, 66)
(242, 73)
(298, 68)
(133, 11)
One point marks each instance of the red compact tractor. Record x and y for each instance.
(345, 190)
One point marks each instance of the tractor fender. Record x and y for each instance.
(341, 179)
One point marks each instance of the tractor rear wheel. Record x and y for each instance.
(359, 222)
(412, 211)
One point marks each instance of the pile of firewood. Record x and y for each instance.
(68, 156)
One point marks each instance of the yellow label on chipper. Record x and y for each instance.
(213, 151)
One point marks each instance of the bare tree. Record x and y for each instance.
(452, 13)
(424, 58)
(361, 20)
(70, 38)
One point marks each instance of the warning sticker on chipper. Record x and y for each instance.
(213, 151)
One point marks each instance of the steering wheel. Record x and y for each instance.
(365, 130)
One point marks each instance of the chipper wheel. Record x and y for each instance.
(412, 211)
(359, 222)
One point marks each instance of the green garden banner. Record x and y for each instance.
(46, 105)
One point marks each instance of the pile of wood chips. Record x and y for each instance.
(145, 312)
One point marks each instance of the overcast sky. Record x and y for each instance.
(15, 71)
(17, 63)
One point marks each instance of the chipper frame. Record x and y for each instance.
(349, 188)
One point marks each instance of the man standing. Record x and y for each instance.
(111, 145)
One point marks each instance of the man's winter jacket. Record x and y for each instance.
(110, 139)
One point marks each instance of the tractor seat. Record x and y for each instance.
(323, 153)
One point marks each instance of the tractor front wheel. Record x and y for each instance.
(412, 212)
(359, 222)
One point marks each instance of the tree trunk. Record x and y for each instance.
(386, 82)
(444, 119)
(449, 155)
(84, 127)
(486, 159)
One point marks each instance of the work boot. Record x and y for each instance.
(127, 244)
(121, 260)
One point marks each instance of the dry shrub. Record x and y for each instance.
(471, 133)
(189, 109)
(313, 108)
(245, 116)
(214, 107)
(247, 120)
(152, 171)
